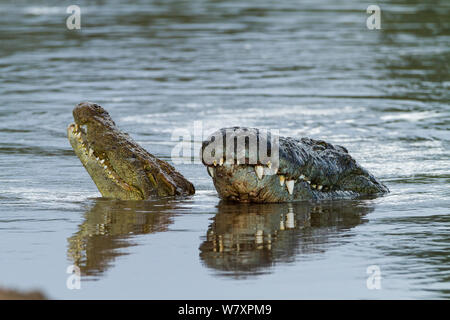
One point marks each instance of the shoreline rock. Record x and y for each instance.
(10, 294)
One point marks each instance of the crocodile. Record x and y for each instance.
(120, 167)
(297, 169)
(282, 169)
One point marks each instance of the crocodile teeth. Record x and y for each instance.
(221, 161)
(102, 161)
(313, 186)
(237, 162)
(290, 186)
(319, 187)
(211, 171)
(91, 152)
(259, 172)
(269, 164)
(282, 178)
(105, 166)
(215, 163)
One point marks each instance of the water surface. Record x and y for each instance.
(307, 69)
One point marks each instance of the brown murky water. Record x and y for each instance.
(307, 69)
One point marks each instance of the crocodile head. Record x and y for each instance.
(288, 169)
(120, 167)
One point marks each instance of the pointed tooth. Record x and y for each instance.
(313, 186)
(102, 161)
(221, 161)
(290, 186)
(302, 177)
(259, 171)
(309, 182)
(97, 158)
(237, 162)
(105, 166)
(282, 178)
(215, 163)
(211, 171)
(269, 164)
(319, 187)
(91, 152)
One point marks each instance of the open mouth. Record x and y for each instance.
(97, 164)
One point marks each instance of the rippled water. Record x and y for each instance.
(307, 69)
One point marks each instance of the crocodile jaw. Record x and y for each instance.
(108, 182)
(305, 169)
(245, 183)
(120, 167)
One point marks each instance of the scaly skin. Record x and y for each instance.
(307, 170)
(120, 168)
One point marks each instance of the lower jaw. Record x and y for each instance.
(241, 184)
(114, 193)
(108, 187)
(243, 192)
(261, 198)
(229, 193)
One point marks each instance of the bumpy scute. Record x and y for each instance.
(305, 169)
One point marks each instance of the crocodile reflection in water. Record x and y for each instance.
(247, 239)
(109, 227)
(243, 238)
